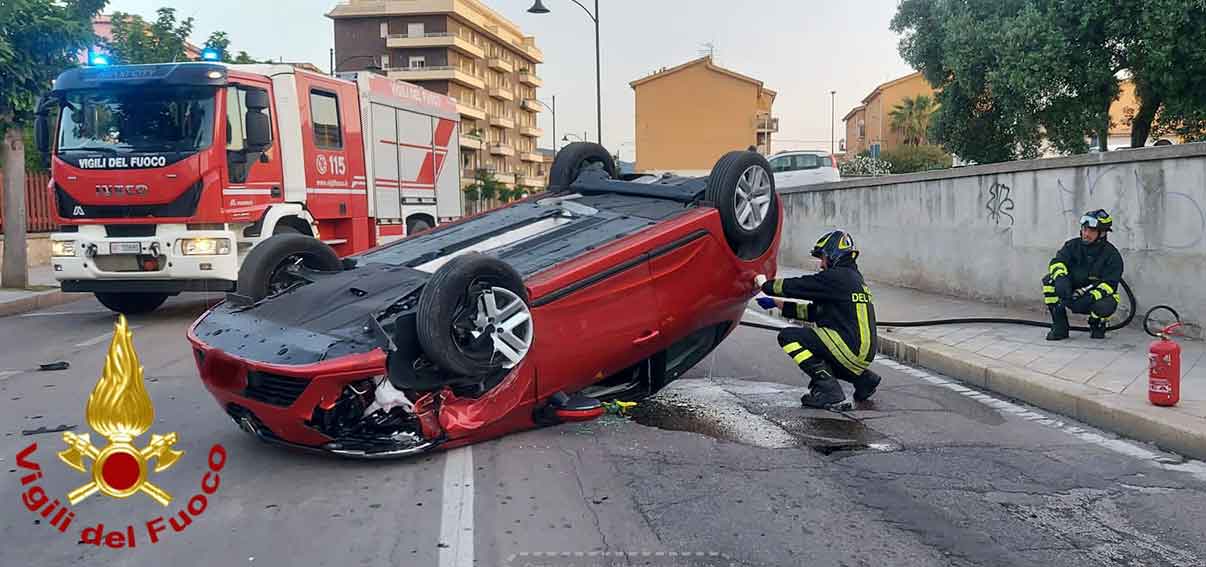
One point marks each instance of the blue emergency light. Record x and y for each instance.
(210, 54)
(98, 60)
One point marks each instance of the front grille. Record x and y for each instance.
(129, 230)
(274, 389)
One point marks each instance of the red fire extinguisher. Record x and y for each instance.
(1164, 363)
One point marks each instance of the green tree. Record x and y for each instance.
(911, 118)
(220, 41)
(137, 41)
(38, 40)
(914, 158)
(1012, 72)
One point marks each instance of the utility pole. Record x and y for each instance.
(832, 120)
(15, 272)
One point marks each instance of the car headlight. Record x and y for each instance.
(205, 246)
(62, 248)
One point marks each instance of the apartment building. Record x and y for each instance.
(465, 50)
(689, 116)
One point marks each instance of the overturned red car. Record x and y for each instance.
(603, 287)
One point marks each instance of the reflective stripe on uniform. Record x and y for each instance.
(1096, 294)
(802, 356)
(1106, 288)
(833, 341)
(1057, 268)
(777, 287)
(864, 331)
(790, 348)
(801, 312)
(1048, 289)
(1051, 300)
(1117, 298)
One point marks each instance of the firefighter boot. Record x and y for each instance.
(825, 392)
(1059, 323)
(865, 385)
(1097, 328)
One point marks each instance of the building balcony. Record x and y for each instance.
(767, 124)
(469, 111)
(499, 64)
(531, 157)
(502, 93)
(530, 131)
(502, 150)
(530, 105)
(531, 181)
(530, 79)
(418, 74)
(471, 143)
(502, 122)
(508, 178)
(435, 39)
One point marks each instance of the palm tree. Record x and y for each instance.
(911, 118)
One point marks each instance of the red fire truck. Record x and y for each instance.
(165, 176)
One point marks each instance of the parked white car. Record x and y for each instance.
(803, 167)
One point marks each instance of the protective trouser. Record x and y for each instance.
(1099, 302)
(807, 346)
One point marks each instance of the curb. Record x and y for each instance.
(1168, 430)
(37, 301)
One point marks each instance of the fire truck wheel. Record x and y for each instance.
(131, 303)
(473, 316)
(270, 267)
(742, 188)
(575, 158)
(416, 226)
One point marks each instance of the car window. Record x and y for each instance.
(324, 113)
(782, 163)
(807, 161)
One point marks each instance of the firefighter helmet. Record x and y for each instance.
(1098, 219)
(835, 246)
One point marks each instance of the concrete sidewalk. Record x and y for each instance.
(43, 291)
(1102, 383)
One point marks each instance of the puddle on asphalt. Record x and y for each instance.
(764, 425)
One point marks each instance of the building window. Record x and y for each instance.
(414, 29)
(324, 115)
(418, 61)
(385, 61)
(384, 29)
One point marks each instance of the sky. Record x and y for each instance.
(802, 49)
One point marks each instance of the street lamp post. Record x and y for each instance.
(554, 109)
(538, 8)
(832, 119)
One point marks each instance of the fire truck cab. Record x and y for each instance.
(164, 177)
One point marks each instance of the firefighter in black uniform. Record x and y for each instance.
(843, 342)
(1084, 277)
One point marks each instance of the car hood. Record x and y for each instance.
(331, 317)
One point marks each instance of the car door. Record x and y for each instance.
(599, 321)
(253, 181)
(782, 169)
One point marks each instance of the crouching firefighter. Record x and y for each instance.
(1084, 277)
(842, 343)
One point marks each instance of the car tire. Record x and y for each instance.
(738, 182)
(450, 300)
(575, 158)
(131, 303)
(261, 274)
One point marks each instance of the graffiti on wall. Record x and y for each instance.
(999, 204)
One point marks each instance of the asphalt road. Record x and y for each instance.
(724, 468)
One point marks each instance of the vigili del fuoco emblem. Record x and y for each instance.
(120, 410)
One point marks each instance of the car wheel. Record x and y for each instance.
(577, 157)
(474, 317)
(269, 267)
(742, 188)
(131, 303)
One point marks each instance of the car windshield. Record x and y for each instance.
(127, 120)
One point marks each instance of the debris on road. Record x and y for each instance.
(43, 429)
(60, 365)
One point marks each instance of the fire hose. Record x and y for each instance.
(994, 320)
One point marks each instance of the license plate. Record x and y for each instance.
(125, 247)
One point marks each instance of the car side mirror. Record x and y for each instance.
(259, 131)
(257, 99)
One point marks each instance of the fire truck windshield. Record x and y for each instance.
(174, 119)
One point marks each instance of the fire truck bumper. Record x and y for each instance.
(172, 260)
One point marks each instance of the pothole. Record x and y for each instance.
(708, 408)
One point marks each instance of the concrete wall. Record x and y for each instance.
(988, 232)
(37, 249)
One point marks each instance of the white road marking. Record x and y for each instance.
(1118, 445)
(102, 338)
(456, 521)
(58, 313)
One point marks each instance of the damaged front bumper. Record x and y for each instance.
(359, 448)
